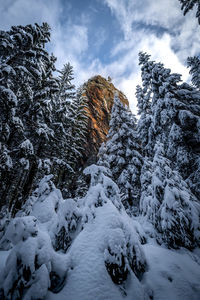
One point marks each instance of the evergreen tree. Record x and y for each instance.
(123, 254)
(144, 110)
(69, 217)
(62, 123)
(121, 153)
(42, 121)
(71, 137)
(79, 125)
(144, 96)
(168, 204)
(26, 89)
(66, 88)
(79, 119)
(59, 217)
(26, 276)
(187, 5)
(194, 64)
(174, 119)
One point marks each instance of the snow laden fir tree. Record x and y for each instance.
(168, 204)
(122, 154)
(97, 221)
(168, 181)
(41, 115)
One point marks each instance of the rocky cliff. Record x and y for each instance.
(100, 94)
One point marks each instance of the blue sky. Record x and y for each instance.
(104, 36)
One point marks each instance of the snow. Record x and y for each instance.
(27, 146)
(3, 258)
(171, 274)
(9, 95)
(88, 278)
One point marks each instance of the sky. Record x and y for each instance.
(104, 36)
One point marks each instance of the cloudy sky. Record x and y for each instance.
(104, 36)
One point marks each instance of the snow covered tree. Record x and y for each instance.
(59, 217)
(144, 110)
(42, 121)
(121, 153)
(71, 126)
(25, 273)
(168, 204)
(194, 64)
(154, 99)
(173, 121)
(123, 254)
(173, 128)
(62, 124)
(102, 190)
(79, 118)
(31, 265)
(63, 111)
(66, 88)
(69, 217)
(144, 96)
(27, 86)
(82, 185)
(187, 5)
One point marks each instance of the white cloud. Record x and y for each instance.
(140, 22)
(100, 36)
(137, 20)
(23, 12)
(166, 15)
(69, 40)
(161, 51)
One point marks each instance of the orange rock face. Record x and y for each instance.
(100, 94)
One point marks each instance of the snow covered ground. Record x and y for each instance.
(89, 279)
(102, 233)
(170, 274)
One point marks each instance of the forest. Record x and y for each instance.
(126, 226)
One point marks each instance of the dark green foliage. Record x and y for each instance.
(122, 154)
(170, 116)
(27, 86)
(168, 129)
(168, 204)
(187, 5)
(117, 271)
(42, 120)
(194, 65)
(62, 240)
(70, 128)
